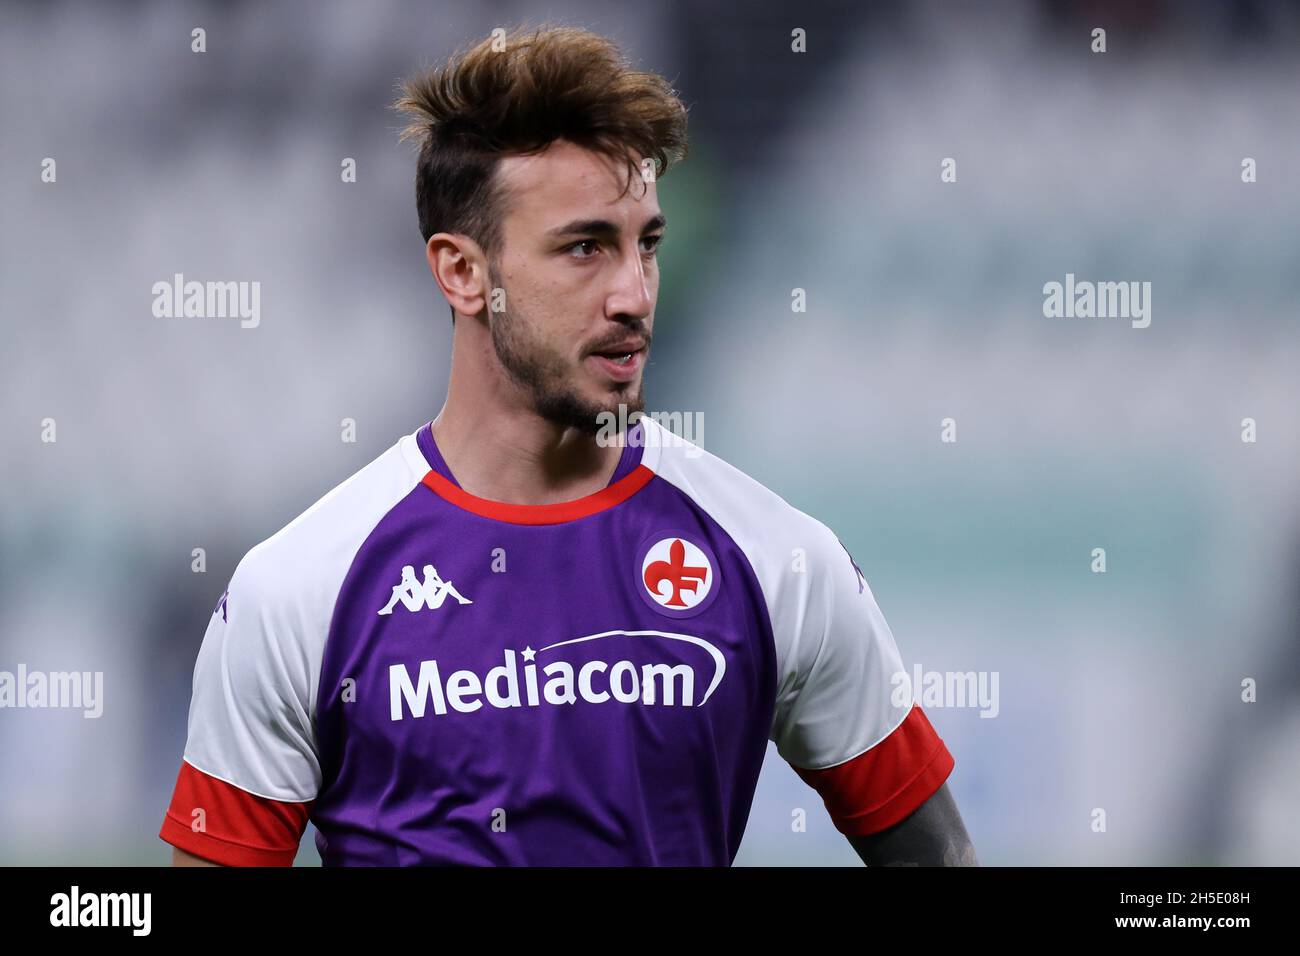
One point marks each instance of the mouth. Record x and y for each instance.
(621, 362)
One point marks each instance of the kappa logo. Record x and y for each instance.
(677, 575)
(415, 594)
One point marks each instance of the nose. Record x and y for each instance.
(633, 295)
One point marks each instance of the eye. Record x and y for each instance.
(655, 242)
(578, 245)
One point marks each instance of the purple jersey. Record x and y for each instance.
(431, 677)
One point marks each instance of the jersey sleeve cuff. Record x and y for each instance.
(216, 850)
(238, 828)
(886, 784)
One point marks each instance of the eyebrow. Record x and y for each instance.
(603, 227)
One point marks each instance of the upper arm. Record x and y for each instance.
(845, 719)
(933, 835)
(250, 770)
(181, 858)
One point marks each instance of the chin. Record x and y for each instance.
(590, 410)
(631, 401)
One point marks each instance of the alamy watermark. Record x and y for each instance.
(946, 689)
(83, 690)
(680, 429)
(1100, 300)
(128, 910)
(208, 300)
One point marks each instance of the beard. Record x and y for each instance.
(545, 375)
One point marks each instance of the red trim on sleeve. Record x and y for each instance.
(240, 828)
(607, 497)
(886, 784)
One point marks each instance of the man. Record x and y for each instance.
(632, 620)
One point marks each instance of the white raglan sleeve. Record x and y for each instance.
(845, 718)
(250, 770)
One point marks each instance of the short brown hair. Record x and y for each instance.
(516, 94)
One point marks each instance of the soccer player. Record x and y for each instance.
(608, 624)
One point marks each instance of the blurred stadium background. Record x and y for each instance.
(818, 171)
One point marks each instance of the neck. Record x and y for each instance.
(501, 450)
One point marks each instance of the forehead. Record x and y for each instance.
(565, 182)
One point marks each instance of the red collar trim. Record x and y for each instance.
(607, 497)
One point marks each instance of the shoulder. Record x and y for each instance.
(781, 541)
(838, 718)
(257, 671)
(307, 558)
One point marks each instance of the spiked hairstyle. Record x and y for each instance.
(514, 94)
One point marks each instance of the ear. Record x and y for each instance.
(460, 269)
